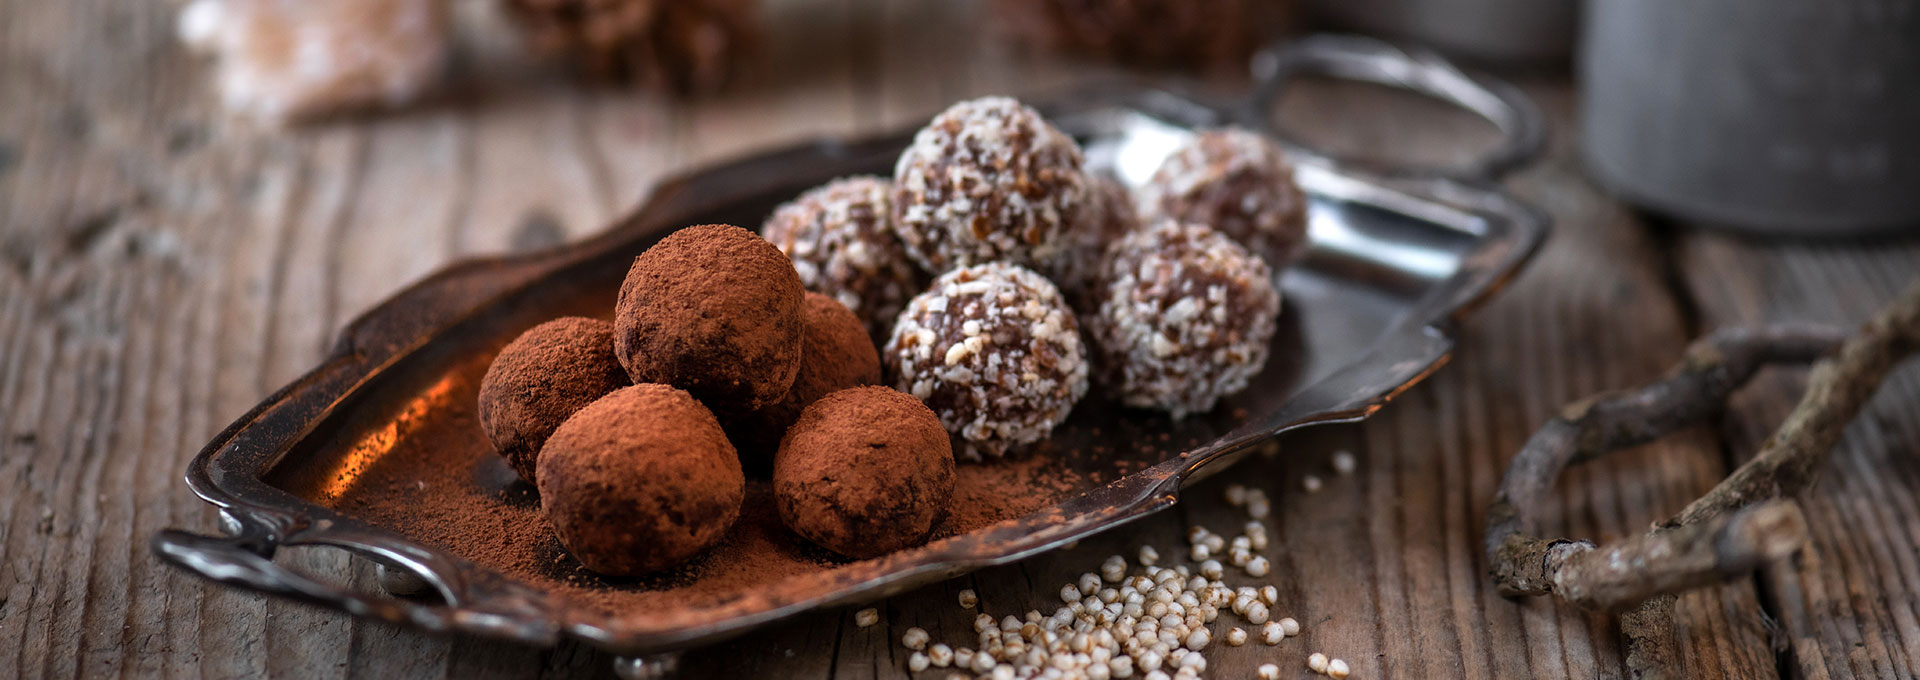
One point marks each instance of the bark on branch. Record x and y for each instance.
(1742, 523)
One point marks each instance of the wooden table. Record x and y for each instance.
(162, 268)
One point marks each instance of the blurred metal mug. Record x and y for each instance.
(1772, 116)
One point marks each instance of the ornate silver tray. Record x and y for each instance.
(376, 449)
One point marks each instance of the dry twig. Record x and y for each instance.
(1741, 524)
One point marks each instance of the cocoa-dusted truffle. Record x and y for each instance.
(866, 471)
(836, 354)
(640, 480)
(1185, 317)
(713, 310)
(995, 352)
(540, 379)
(988, 179)
(840, 238)
(1238, 182)
(1109, 215)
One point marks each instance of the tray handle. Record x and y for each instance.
(1522, 128)
(474, 602)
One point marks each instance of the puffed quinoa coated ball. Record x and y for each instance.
(1184, 317)
(988, 179)
(995, 352)
(1238, 182)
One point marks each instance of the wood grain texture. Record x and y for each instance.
(162, 268)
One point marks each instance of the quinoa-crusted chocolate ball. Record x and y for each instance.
(836, 354)
(540, 379)
(1240, 183)
(988, 179)
(1109, 216)
(841, 241)
(864, 472)
(994, 350)
(1185, 317)
(639, 481)
(713, 310)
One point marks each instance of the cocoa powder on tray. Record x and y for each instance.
(457, 495)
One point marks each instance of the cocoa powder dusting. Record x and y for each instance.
(442, 486)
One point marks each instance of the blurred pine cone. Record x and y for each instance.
(1193, 33)
(683, 46)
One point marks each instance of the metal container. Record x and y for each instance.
(1507, 31)
(1770, 116)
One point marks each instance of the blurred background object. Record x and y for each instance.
(683, 46)
(281, 60)
(1215, 34)
(1769, 116)
(1502, 31)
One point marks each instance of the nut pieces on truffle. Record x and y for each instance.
(1185, 316)
(995, 352)
(988, 179)
(1240, 183)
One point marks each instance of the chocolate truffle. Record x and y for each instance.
(1238, 182)
(713, 310)
(995, 352)
(988, 179)
(540, 379)
(639, 481)
(866, 471)
(835, 354)
(1185, 316)
(841, 241)
(1109, 216)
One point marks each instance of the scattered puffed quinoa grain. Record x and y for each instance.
(1317, 663)
(1212, 569)
(866, 617)
(963, 658)
(1158, 675)
(1069, 593)
(917, 662)
(915, 638)
(1311, 483)
(940, 655)
(1290, 626)
(968, 599)
(1337, 668)
(1344, 462)
(1198, 639)
(1149, 556)
(1114, 569)
(1200, 552)
(1259, 508)
(1256, 612)
(1003, 673)
(1121, 666)
(1258, 566)
(1269, 672)
(1273, 633)
(1270, 595)
(1236, 636)
(1236, 495)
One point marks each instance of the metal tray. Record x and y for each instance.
(1396, 258)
